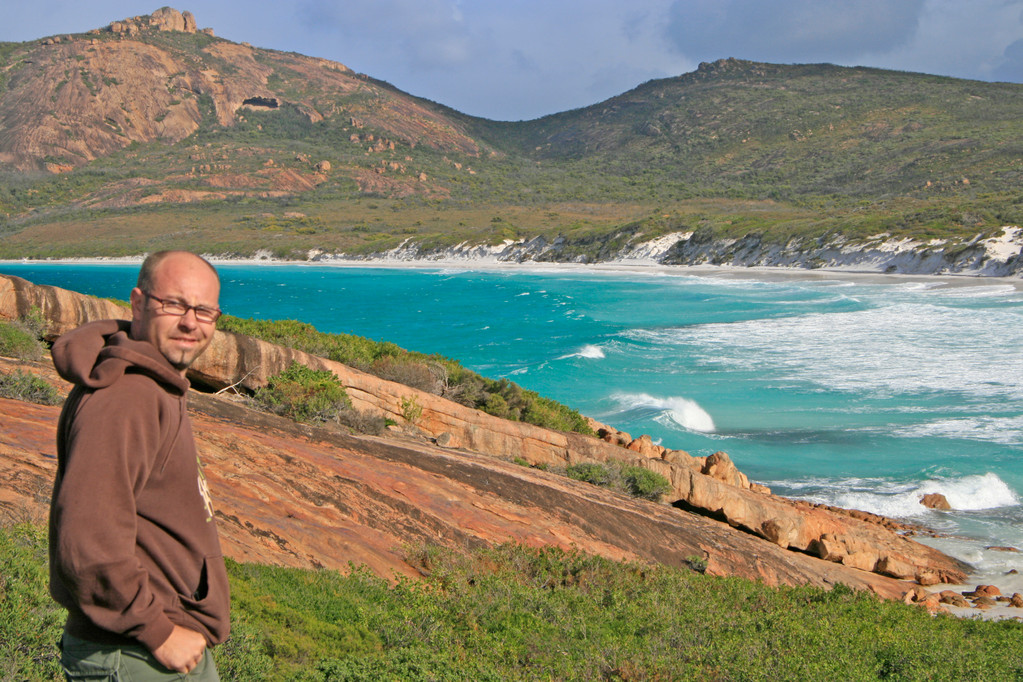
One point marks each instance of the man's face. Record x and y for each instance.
(181, 339)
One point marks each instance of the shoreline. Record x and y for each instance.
(998, 574)
(634, 267)
(1007, 583)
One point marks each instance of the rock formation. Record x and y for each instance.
(285, 486)
(935, 501)
(68, 101)
(163, 19)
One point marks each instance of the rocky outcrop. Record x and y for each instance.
(708, 487)
(935, 501)
(309, 497)
(163, 19)
(998, 256)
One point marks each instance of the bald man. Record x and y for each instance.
(134, 552)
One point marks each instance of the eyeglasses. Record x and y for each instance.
(180, 309)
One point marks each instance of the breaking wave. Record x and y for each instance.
(672, 412)
(902, 500)
(589, 351)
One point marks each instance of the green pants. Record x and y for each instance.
(84, 660)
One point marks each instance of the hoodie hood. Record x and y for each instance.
(97, 354)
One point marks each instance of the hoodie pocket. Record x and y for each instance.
(209, 605)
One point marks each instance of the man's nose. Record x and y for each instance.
(188, 320)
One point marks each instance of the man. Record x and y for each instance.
(134, 552)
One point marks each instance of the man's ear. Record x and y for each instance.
(138, 301)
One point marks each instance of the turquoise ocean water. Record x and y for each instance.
(842, 391)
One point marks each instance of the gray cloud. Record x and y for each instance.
(511, 59)
(423, 34)
(500, 60)
(793, 31)
(1011, 68)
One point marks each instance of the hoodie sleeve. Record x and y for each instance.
(111, 445)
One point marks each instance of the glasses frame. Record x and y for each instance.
(204, 311)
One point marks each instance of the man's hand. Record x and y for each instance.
(182, 651)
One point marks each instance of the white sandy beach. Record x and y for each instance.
(630, 267)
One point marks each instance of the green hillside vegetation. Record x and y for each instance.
(735, 148)
(515, 613)
(432, 373)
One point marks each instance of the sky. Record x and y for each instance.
(522, 59)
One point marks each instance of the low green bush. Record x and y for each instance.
(21, 385)
(590, 472)
(518, 613)
(304, 394)
(633, 480)
(641, 482)
(411, 410)
(17, 341)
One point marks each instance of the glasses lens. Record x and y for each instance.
(175, 307)
(206, 314)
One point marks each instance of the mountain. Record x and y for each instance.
(149, 132)
(69, 100)
(798, 130)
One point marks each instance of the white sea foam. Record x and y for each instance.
(902, 347)
(993, 291)
(902, 499)
(1001, 430)
(589, 351)
(672, 412)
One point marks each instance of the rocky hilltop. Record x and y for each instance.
(312, 496)
(68, 100)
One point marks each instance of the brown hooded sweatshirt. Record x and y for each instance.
(133, 545)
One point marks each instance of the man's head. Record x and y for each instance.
(169, 282)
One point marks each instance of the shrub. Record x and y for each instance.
(590, 472)
(633, 480)
(363, 422)
(19, 385)
(411, 410)
(644, 483)
(35, 323)
(408, 372)
(698, 563)
(304, 394)
(16, 341)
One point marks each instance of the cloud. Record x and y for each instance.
(793, 31)
(525, 58)
(496, 59)
(424, 34)
(1011, 69)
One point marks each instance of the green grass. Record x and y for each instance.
(514, 613)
